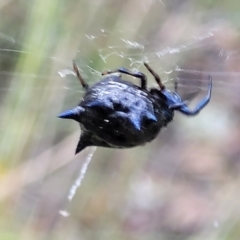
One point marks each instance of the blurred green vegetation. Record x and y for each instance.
(184, 185)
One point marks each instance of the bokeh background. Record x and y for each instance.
(183, 185)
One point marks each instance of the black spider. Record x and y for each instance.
(115, 113)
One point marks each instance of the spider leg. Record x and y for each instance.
(133, 74)
(175, 106)
(176, 86)
(185, 110)
(156, 76)
(76, 70)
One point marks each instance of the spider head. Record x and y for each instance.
(168, 97)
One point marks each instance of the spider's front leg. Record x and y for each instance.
(185, 109)
(133, 74)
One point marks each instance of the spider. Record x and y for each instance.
(115, 113)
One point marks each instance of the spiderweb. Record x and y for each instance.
(167, 61)
(146, 204)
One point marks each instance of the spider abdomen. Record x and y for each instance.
(121, 114)
(118, 114)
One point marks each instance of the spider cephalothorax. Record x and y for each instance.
(115, 113)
